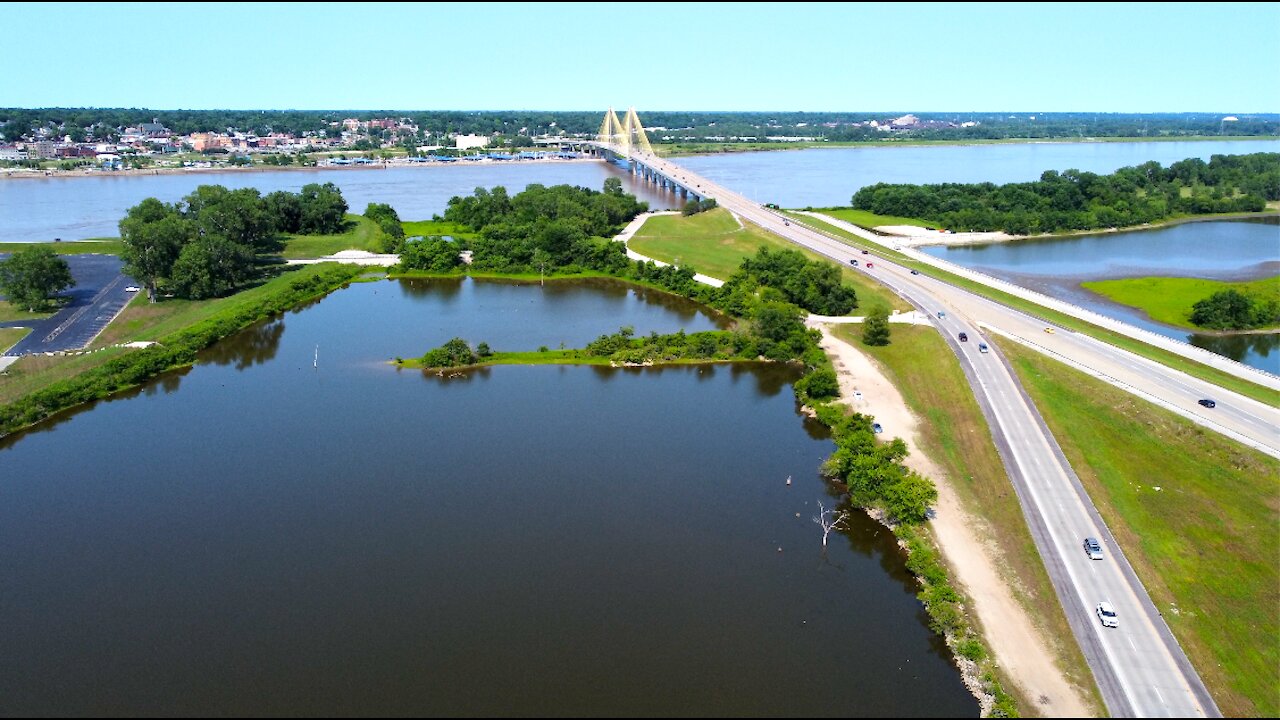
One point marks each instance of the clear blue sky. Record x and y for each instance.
(665, 56)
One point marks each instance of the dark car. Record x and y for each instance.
(877, 428)
(964, 337)
(915, 272)
(1208, 403)
(854, 262)
(866, 252)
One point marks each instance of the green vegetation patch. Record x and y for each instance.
(10, 337)
(427, 228)
(103, 246)
(863, 218)
(1196, 514)
(716, 245)
(1170, 299)
(361, 234)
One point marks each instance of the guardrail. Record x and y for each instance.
(1180, 347)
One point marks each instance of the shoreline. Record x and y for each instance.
(915, 237)
(28, 174)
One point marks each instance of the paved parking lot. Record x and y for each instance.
(99, 295)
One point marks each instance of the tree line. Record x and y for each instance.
(209, 243)
(1076, 200)
(104, 123)
(1234, 310)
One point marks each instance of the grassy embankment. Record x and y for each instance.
(713, 244)
(10, 337)
(104, 245)
(1137, 347)
(37, 386)
(869, 220)
(362, 234)
(955, 435)
(1169, 299)
(1196, 514)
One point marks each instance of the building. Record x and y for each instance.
(467, 142)
(42, 149)
(11, 152)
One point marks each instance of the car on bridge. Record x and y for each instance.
(1107, 615)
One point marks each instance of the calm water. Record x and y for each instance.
(256, 536)
(829, 178)
(36, 210)
(1219, 250)
(71, 208)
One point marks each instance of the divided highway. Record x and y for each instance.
(1139, 666)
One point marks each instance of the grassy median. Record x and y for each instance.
(1197, 515)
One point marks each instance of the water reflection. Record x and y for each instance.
(1259, 349)
(252, 346)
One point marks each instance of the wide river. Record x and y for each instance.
(42, 209)
(260, 535)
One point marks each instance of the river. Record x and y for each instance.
(42, 209)
(260, 536)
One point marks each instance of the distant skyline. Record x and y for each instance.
(922, 57)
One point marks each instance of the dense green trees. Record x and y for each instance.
(872, 470)
(31, 277)
(455, 353)
(875, 327)
(387, 220)
(432, 254)
(206, 245)
(812, 284)
(1234, 310)
(693, 207)
(1075, 200)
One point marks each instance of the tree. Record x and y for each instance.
(154, 233)
(324, 210)
(210, 267)
(240, 216)
(875, 329)
(30, 277)
(829, 520)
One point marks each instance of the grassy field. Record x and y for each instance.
(1169, 299)
(9, 312)
(10, 337)
(106, 246)
(140, 320)
(1169, 359)
(1197, 515)
(363, 234)
(955, 435)
(713, 244)
(865, 219)
(435, 227)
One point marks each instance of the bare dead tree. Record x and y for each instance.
(829, 520)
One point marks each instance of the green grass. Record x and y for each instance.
(954, 433)
(865, 219)
(10, 337)
(713, 244)
(436, 227)
(363, 234)
(106, 246)
(1169, 299)
(10, 312)
(1137, 347)
(1205, 544)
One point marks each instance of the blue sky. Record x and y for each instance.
(664, 56)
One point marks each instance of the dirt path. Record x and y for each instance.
(1014, 639)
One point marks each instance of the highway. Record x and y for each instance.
(1139, 667)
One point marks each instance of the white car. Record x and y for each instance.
(132, 288)
(1107, 615)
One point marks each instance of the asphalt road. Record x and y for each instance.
(98, 296)
(1139, 667)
